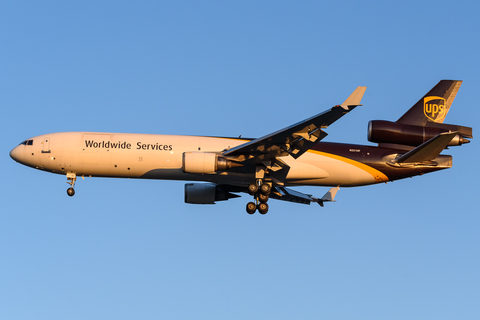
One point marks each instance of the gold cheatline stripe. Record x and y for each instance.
(377, 175)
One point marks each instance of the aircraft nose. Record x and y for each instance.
(16, 154)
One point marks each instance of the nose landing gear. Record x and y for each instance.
(71, 192)
(261, 192)
(71, 177)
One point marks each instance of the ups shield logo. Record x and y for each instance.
(434, 108)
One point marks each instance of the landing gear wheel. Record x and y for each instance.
(71, 192)
(263, 208)
(265, 188)
(71, 178)
(263, 198)
(252, 188)
(251, 208)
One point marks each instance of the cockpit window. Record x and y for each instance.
(27, 142)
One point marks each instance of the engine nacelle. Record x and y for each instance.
(380, 131)
(205, 193)
(206, 163)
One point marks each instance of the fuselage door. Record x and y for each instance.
(46, 145)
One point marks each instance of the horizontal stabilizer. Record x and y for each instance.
(428, 150)
(355, 98)
(465, 132)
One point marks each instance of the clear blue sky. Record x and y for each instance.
(130, 249)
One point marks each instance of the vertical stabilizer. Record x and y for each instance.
(434, 106)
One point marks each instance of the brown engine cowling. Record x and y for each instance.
(380, 131)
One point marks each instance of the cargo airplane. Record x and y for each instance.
(265, 167)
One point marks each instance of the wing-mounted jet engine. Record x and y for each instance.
(206, 163)
(206, 193)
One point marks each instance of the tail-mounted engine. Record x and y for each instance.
(380, 131)
(206, 163)
(206, 193)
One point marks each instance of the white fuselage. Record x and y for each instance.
(152, 156)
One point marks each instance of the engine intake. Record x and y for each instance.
(380, 131)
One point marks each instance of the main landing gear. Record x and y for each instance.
(71, 177)
(261, 192)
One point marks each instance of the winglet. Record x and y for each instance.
(428, 150)
(329, 196)
(355, 98)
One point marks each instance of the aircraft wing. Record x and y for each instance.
(279, 193)
(295, 139)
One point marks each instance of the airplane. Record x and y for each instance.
(265, 167)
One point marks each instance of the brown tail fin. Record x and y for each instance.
(434, 106)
